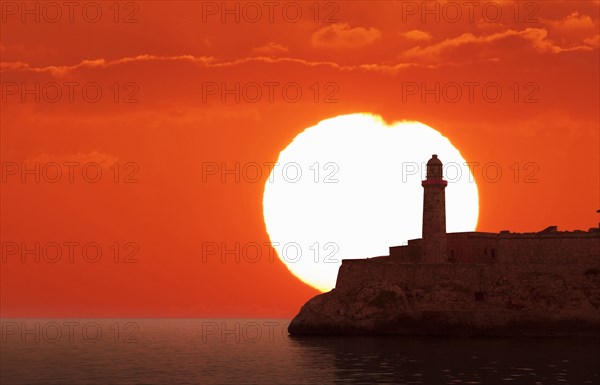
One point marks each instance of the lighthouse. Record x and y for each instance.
(434, 213)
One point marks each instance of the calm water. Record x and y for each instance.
(203, 351)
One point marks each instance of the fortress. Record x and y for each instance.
(542, 283)
(548, 246)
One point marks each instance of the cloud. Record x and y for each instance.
(417, 35)
(593, 41)
(537, 37)
(99, 63)
(574, 29)
(203, 61)
(573, 21)
(271, 48)
(340, 35)
(210, 62)
(103, 159)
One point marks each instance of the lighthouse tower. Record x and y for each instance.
(434, 213)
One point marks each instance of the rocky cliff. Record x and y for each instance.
(382, 296)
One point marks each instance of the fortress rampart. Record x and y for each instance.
(566, 290)
(546, 247)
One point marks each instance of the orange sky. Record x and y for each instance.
(367, 53)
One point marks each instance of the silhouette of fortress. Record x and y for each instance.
(508, 284)
(547, 246)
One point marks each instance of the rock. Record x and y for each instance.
(367, 310)
(414, 299)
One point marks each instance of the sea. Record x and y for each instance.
(259, 351)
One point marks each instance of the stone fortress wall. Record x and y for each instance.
(553, 274)
(545, 247)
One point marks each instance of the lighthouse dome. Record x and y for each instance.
(434, 168)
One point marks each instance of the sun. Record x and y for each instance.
(350, 187)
